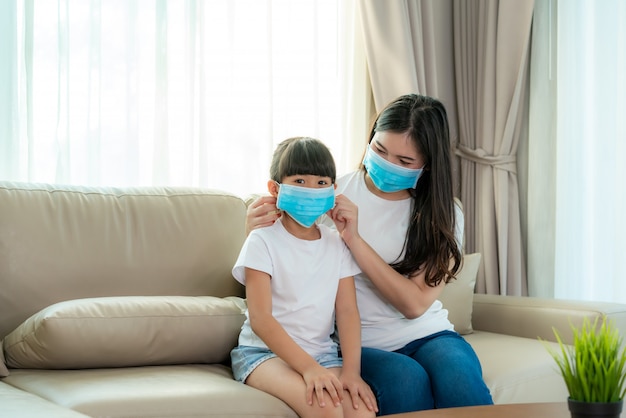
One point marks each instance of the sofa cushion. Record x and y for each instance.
(60, 243)
(19, 403)
(458, 295)
(127, 331)
(186, 390)
(3, 368)
(518, 369)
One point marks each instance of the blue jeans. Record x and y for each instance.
(439, 371)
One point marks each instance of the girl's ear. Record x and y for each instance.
(272, 187)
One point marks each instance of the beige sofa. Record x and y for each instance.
(120, 303)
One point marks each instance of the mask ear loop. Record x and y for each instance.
(277, 194)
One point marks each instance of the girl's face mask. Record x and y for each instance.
(389, 177)
(305, 204)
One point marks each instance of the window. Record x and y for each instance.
(193, 93)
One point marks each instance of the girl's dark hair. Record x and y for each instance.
(302, 155)
(430, 242)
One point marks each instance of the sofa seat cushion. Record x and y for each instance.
(127, 331)
(518, 369)
(151, 391)
(18, 403)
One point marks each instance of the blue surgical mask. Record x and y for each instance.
(389, 177)
(305, 204)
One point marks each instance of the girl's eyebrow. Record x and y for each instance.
(402, 157)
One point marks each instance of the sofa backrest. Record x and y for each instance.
(69, 242)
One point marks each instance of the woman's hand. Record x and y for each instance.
(261, 213)
(345, 214)
(357, 388)
(318, 380)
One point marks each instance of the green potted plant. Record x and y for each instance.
(594, 369)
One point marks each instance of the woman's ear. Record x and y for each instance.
(272, 187)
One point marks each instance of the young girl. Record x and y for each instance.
(299, 280)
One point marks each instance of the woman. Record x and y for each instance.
(397, 216)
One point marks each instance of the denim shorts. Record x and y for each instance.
(245, 359)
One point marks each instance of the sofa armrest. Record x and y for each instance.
(533, 317)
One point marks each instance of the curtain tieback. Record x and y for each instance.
(479, 156)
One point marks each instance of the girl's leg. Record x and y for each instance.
(275, 377)
(454, 369)
(399, 382)
(347, 405)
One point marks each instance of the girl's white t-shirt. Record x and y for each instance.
(304, 280)
(383, 225)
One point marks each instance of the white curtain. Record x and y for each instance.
(173, 93)
(579, 237)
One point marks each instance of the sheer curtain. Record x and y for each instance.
(582, 235)
(185, 93)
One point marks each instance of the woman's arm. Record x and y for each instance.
(263, 323)
(349, 330)
(412, 297)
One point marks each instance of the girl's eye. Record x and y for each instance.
(322, 182)
(300, 181)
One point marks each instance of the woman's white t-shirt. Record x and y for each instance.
(304, 280)
(383, 225)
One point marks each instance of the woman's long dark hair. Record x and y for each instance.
(430, 242)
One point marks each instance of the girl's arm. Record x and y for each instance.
(263, 323)
(349, 330)
(411, 297)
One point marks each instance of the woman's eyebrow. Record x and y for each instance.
(379, 145)
(403, 157)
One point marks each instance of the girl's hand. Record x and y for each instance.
(345, 214)
(319, 379)
(261, 213)
(357, 388)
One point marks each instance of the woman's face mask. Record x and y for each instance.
(305, 204)
(389, 177)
